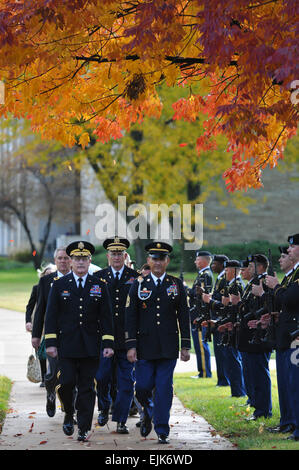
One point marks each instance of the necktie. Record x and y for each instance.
(80, 285)
(116, 278)
(158, 284)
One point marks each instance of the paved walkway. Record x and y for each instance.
(27, 425)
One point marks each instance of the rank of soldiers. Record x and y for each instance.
(126, 328)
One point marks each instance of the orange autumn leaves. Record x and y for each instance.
(94, 66)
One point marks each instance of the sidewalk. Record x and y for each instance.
(27, 426)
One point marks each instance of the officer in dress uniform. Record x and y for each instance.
(63, 264)
(78, 322)
(287, 296)
(204, 281)
(119, 279)
(157, 319)
(217, 266)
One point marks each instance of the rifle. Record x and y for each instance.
(206, 314)
(255, 314)
(204, 310)
(224, 317)
(270, 336)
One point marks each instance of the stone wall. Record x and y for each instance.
(273, 217)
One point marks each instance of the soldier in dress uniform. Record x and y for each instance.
(251, 342)
(78, 322)
(202, 283)
(287, 296)
(226, 326)
(157, 320)
(63, 265)
(119, 278)
(217, 267)
(287, 420)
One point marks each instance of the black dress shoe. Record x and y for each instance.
(162, 439)
(103, 417)
(145, 425)
(284, 429)
(51, 404)
(68, 425)
(122, 428)
(83, 435)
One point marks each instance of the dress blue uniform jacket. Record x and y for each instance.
(157, 320)
(43, 290)
(118, 296)
(204, 279)
(287, 297)
(78, 324)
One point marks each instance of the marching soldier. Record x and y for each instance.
(202, 283)
(119, 278)
(63, 265)
(78, 322)
(287, 296)
(157, 315)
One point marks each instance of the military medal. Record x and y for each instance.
(143, 294)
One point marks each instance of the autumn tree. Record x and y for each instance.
(36, 185)
(66, 64)
(156, 162)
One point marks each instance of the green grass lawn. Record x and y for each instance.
(15, 287)
(215, 404)
(227, 415)
(5, 387)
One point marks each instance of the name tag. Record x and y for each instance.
(65, 293)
